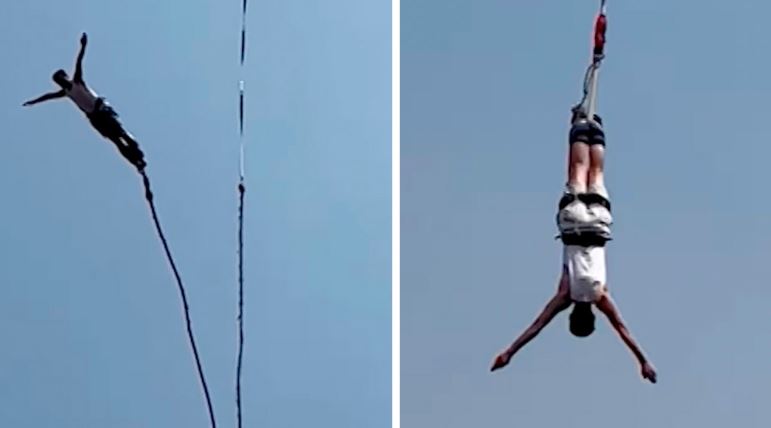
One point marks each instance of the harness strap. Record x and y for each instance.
(584, 239)
(587, 198)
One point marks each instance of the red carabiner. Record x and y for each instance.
(600, 26)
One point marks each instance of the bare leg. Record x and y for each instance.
(596, 182)
(579, 163)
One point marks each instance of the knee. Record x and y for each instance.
(580, 163)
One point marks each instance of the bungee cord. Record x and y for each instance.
(183, 295)
(588, 104)
(241, 192)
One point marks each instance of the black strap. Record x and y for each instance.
(594, 199)
(566, 200)
(586, 239)
(587, 198)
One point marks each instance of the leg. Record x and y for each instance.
(595, 172)
(578, 167)
(581, 137)
(129, 139)
(570, 211)
(132, 154)
(105, 120)
(122, 148)
(596, 183)
(138, 156)
(135, 155)
(117, 129)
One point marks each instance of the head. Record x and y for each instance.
(61, 79)
(582, 319)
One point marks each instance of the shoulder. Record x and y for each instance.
(604, 301)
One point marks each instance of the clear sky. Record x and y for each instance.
(90, 321)
(486, 92)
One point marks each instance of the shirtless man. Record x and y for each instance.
(101, 115)
(584, 221)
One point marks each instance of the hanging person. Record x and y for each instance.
(584, 221)
(99, 113)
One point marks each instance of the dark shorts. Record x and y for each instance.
(586, 132)
(105, 120)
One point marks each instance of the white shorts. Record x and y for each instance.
(586, 271)
(577, 217)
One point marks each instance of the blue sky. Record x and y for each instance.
(90, 319)
(486, 92)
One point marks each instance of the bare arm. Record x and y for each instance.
(78, 77)
(46, 97)
(557, 304)
(607, 307)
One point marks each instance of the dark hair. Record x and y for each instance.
(60, 77)
(582, 319)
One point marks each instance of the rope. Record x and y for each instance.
(587, 105)
(240, 300)
(183, 295)
(589, 79)
(241, 191)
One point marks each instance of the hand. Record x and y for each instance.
(648, 372)
(84, 39)
(501, 361)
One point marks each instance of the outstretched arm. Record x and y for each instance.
(46, 97)
(78, 77)
(557, 304)
(607, 307)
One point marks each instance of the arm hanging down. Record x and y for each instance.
(78, 76)
(607, 307)
(557, 304)
(46, 97)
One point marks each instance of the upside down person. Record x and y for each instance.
(101, 115)
(584, 221)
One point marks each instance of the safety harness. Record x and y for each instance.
(584, 219)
